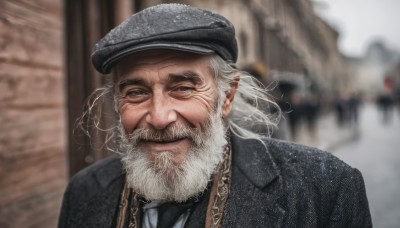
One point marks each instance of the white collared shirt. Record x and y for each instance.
(150, 216)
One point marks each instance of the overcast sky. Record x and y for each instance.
(361, 21)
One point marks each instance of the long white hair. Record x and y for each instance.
(254, 113)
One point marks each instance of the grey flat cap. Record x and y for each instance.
(170, 26)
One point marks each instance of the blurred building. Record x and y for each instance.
(293, 43)
(46, 76)
(32, 113)
(368, 72)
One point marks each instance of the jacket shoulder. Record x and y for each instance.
(100, 174)
(336, 189)
(92, 195)
(305, 158)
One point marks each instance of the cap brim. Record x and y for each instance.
(108, 64)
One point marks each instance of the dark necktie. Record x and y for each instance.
(168, 213)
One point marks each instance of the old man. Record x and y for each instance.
(192, 145)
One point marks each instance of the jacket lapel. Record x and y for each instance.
(256, 187)
(251, 156)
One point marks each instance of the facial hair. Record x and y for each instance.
(161, 179)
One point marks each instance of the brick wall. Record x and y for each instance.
(32, 113)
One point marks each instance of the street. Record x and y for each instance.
(376, 153)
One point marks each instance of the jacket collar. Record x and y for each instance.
(254, 160)
(256, 164)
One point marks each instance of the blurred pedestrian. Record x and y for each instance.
(354, 106)
(311, 110)
(296, 114)
(341, 109)
(385, 104)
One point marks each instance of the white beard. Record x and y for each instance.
(162, 180)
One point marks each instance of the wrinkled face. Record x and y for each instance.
(164, 89)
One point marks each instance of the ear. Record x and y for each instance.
(230, 94)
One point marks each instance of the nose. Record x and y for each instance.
(161, 112)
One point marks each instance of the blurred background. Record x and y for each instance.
(333, 66)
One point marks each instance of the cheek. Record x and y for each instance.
(130, 118)
(196, 111)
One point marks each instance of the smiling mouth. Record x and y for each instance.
(163, 141)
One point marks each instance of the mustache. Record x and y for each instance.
(169, 134)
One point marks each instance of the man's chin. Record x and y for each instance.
(163, 180)
(170, 173)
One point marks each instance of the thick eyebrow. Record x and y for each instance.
(173, 77)
(185, 76)
(131, 81)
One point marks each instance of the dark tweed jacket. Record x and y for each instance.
(278, 185)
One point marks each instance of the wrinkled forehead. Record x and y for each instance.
(161, 57)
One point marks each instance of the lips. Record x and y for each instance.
(163, 141)
(165, 145)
